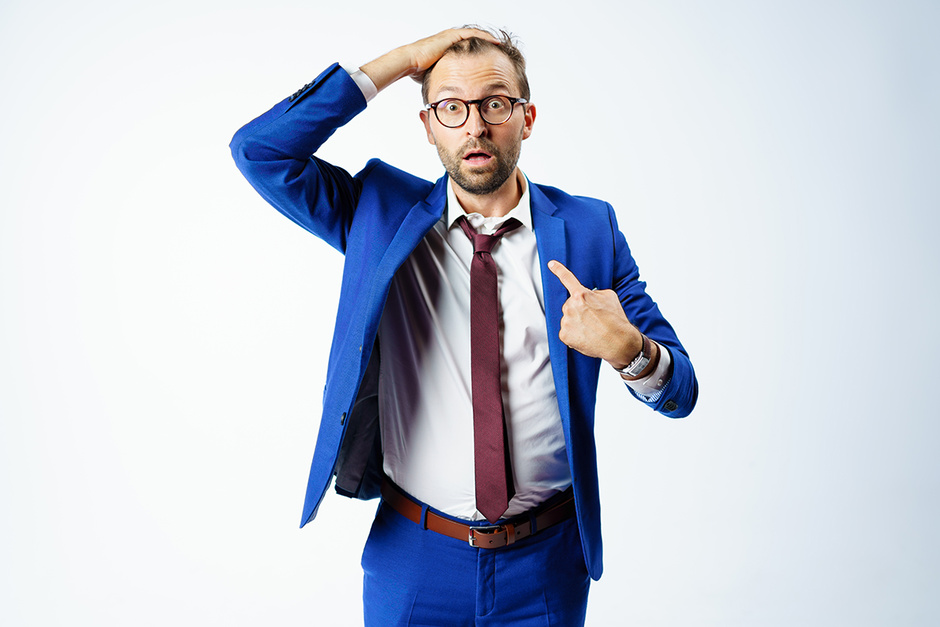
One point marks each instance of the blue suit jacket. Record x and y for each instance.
(376, 218)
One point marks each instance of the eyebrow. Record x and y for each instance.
(489, 87)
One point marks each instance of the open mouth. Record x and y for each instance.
(477, 157)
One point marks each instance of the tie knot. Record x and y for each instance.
(485, 243)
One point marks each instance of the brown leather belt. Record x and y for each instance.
(480, 537)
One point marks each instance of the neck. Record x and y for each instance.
(496, 204)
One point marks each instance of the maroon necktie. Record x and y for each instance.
(492, 469)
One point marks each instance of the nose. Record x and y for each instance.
(475, 126)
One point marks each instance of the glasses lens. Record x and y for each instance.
(451, 112)
(496, 109)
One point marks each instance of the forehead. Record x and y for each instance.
(472, 76)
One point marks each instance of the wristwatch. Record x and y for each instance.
(640, 362)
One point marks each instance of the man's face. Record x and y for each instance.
(479, 157)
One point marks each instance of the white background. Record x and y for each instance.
(164, 333)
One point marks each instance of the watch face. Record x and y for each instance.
(637, 366)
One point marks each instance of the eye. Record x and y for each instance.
(496, 103)
(451, 106)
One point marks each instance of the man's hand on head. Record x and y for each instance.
(593, 322)
(425, 52)
(415, 58)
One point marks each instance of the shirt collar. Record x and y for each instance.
(521, 212)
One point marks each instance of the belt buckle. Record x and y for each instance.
(492, 537)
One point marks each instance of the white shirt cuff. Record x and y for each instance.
(365, 83)
(652, 384)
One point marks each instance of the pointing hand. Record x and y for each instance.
(593, 322)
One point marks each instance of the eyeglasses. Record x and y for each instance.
(454, 112)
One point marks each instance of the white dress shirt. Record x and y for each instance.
(424, 380)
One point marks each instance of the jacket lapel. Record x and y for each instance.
(416, 223)
(551, 242)
(413, 227)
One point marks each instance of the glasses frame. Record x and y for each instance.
(479, 103)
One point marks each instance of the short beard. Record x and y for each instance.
(484, 183)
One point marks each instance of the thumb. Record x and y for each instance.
(566, 276)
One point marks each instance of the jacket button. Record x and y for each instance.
(671, 406)
(297, 93)
(342, 419)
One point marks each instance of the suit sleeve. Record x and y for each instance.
(681, 392)
(275, 153)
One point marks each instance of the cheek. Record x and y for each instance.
(449, 142)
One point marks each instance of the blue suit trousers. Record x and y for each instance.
(413, 576)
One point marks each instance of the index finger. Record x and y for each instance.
(566, 276)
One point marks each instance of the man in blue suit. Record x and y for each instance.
(445, 298)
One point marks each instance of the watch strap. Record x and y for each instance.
(640, 362)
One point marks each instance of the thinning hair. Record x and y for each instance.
(508, 45)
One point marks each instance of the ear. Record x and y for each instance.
(426, 118)
(529, 120)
